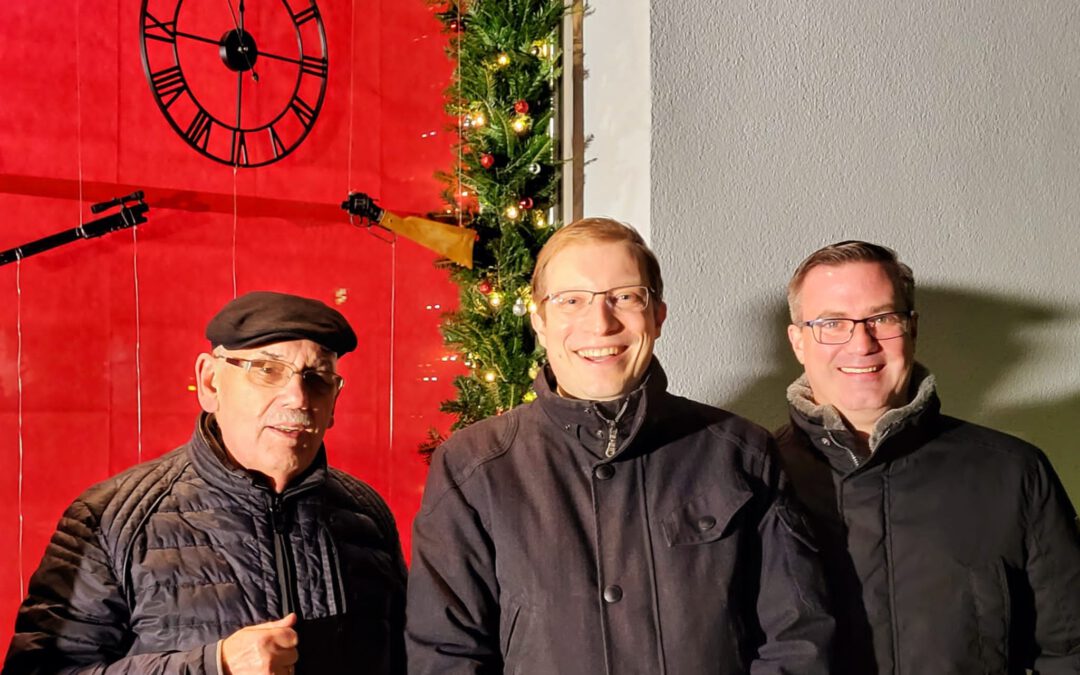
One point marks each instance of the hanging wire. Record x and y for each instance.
(138, 344)
(19, 388)
(393, 335)
(460, 119)
(352, 92)
(78, 113)
(234, 220)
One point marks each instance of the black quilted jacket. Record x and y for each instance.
(150, 568)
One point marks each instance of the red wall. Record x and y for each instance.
(98, 338)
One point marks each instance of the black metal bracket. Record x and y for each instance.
(128, 216)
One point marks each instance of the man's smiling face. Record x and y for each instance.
(601, 353)
(864, 377)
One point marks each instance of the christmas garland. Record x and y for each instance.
(504, 186)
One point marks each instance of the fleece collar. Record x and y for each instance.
(923, 384)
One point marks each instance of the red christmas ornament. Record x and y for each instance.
(487, 160)
(484, 286)
(526, 203)
(521, 106)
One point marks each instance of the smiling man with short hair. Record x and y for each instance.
(609, 526)
(949, 547)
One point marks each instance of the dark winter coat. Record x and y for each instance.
(951, 549)
(536, 551)
(149, 569)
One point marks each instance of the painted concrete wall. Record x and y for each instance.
(949, 131)
(617, 108)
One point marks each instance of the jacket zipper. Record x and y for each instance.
(286, 574)
(613, 429)
(851, 455)
(612, 439)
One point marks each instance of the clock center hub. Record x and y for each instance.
(238, 50)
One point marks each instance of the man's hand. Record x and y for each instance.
(263, 649)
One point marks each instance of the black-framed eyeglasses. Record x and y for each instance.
(620, 299)
(276, 374)
(830, 331)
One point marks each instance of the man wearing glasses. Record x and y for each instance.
(949, 547)
(609, 526)
(240, 552)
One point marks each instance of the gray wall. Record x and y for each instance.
(947, 130)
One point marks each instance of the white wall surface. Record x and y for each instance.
(617, 104)
(949, 131)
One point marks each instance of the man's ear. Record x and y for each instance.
(333, 407)
(914, 330)
(795, 336)
(539, 327)
(660, 314)
(206, 382)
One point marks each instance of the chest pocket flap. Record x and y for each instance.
(706, 517)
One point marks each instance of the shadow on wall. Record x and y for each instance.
(970, 342)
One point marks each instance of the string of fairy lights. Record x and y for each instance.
(504, 186)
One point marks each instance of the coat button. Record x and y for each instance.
(826, 442)
(604, 471)
(706, 523)
(612, 594)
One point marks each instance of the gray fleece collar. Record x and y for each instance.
(801, 398)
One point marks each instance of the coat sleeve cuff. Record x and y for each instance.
(212, 658)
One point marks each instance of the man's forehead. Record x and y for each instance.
(287, 350)
(828, 280)
(581, 259)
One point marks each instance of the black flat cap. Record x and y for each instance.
(261, 317)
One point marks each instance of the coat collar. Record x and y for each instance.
(923, 402)
(214, 465)
(588, 421)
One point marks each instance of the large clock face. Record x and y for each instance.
(241, 81)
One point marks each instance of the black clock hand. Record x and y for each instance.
(239, 96)
(198, 38)
(240, 33)
(310, 64)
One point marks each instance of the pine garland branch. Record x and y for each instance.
(505, 187)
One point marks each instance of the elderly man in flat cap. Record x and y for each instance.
(241, 551)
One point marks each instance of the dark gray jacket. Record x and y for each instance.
(150, 568)
(952, 549)
(534, 552)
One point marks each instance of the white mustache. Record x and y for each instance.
(297, 418)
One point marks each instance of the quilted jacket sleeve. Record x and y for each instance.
(75, 618)
(453, 611)
(1053, 570)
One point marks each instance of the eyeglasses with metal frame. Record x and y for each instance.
(837, 331)
(619, 299)
(276, 374)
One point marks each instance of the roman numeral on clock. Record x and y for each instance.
(305, 15)
(314, 66)
(168, 84)
(304, 112)
(198, 132)
(155, 29)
